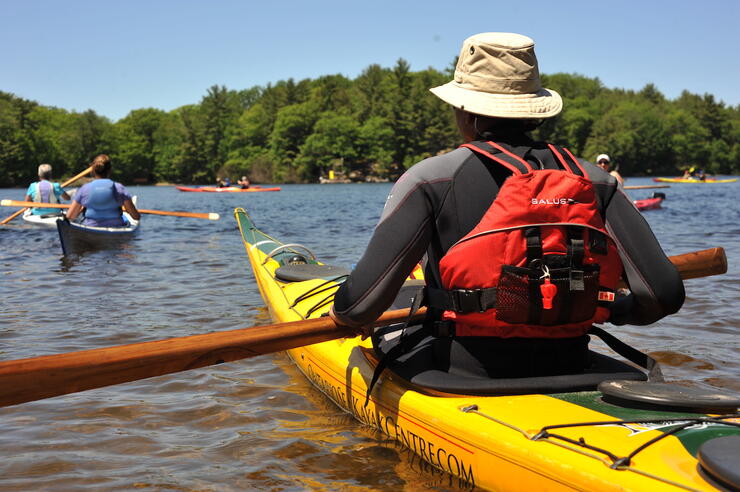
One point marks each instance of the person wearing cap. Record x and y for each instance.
(497, 96)
(44, 190)
(603, 161)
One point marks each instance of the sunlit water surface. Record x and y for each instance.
(259, 424)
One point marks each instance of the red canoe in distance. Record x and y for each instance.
(225, 189)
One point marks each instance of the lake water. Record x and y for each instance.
(258, 423)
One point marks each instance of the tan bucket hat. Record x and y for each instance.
(497, 75)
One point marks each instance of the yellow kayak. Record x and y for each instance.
(565, 440)
(690, 180)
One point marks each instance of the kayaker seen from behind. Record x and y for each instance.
(101, 200)
(46, 191)
(244, 183)
(604, 163)
(517, 297)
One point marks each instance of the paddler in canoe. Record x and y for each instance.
(100, 200)
(506, 296)
(46, 191)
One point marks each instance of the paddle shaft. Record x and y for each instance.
(645, 187)
(704, 263)
(47, 376)
(194, 215)
(66, 183)
(32, 379)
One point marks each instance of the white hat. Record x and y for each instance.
(497, 75)
(602, 157)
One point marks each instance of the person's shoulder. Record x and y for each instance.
(597, 175)
(120, 187)
(439, 166)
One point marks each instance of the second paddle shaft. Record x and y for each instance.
(194, 215)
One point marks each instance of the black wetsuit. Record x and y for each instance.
(439, 200)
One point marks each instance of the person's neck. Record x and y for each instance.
(510, 137)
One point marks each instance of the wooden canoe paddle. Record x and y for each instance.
(194, 215)
(36, 378)
(66, 183)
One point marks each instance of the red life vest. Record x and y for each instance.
(540, 263)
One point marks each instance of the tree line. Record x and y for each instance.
(372, 127)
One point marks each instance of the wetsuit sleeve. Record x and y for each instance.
(396, 246)
(655, 284)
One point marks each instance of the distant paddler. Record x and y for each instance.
(101, 200)
(66, 183)
(604, 162)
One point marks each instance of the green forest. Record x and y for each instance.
(372, 127)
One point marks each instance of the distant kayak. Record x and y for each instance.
(650, 203)
(226, 189)
(689, 180)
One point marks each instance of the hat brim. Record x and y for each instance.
(545, 103)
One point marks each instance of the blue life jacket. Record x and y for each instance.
(103, 201)
(44, 192)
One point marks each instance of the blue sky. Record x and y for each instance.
(114, 57)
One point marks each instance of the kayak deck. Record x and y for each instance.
(561, 441)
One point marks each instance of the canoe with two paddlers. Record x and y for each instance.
(226, 189)
(77, 237)
(605, 429)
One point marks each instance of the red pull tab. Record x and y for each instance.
(548, 291)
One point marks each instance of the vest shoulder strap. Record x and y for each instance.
(567, 160)
(500, 155)
(517, 164)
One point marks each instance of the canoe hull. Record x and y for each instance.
(485, 441)
(77, 238)
(45, 221)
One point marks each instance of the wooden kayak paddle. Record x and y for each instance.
(66, 183)
(25, 380)
(194, 215)
(645, 187)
